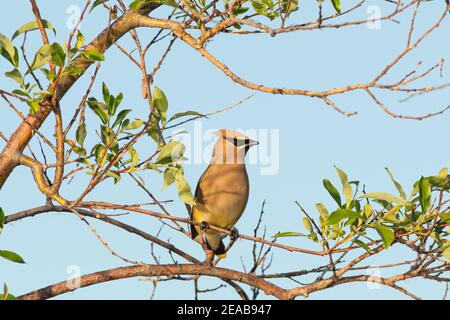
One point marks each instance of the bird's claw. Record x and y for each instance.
(204, 226)
(234, 234)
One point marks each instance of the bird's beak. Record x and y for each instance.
(252, 143)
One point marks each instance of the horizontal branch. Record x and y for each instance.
(105, 205)
(171, 248)
(157, 270)
(171, 270)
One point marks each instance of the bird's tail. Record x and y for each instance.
(215, 243)
(220, 251)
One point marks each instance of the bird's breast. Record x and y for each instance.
(224, 195)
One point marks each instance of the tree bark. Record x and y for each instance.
(157, 270)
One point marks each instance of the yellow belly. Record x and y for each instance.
(224, 219)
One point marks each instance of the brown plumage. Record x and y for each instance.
(222, 190)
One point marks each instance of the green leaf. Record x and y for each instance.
(92, 55)
(397, 185)
(153, 133)
(105, 92)
(6, 295)
(323, 211)
(185, 114)
(108, 137)
(386, 234)
(241, 10)
(415, 189)
(114, 103)
(445, 216)
(390, 214)
(33, 25)
(21, 93)
(362, 245)
(5, 292)
(81, 134)
(169, 177)
(34, 105)
(58, 55)
(170, 153)
(159, 101)
(71, 52)
(42, 57)
(184, 189)
(368, 210)
(332, 191)
(446, 252)
(338, 215)
(383, 197)
(152, 166)
(72, 70)
(385, 204)
(355, 204)
(9, 297)
(308, 225)
(113, 175)
(111, 105)
(78, 150)
(80, 40)
(138, 4)
(134, 156)
(424, 194)
(288, 234)
(99, 152)
(135, 124)
(337, 5)
(97, 3)
(13, 60)
(346, 187)
(293, 6)
(443, 173)
(122, 114)
(440, 178)
(11, 256)
(15, 75)
(7, 45)
(98, 109)
(259, 7)
(2, 219)
(48, 74)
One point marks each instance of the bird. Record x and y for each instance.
(222, 191)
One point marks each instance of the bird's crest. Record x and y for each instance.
(228, 133)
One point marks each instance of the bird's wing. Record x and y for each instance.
(197, 196)
(194, 232)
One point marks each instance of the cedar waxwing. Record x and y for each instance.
(222, 190)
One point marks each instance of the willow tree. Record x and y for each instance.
(361, 225)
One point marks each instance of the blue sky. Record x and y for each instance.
(312, 139)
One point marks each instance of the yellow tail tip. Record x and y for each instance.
(222, 256)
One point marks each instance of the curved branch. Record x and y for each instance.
(208, 270)
(38, 175)
(203, 269)
(171, 248)
(157, 270)
(59, 172)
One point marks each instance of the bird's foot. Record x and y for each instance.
(234, 234)
(204, 226)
